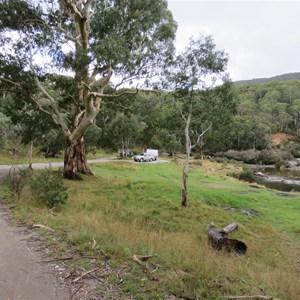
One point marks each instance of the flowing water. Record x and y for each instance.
(287, 180)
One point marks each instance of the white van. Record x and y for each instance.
(153, 152)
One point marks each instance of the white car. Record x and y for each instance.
(144, 157)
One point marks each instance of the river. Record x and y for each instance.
(287, 180)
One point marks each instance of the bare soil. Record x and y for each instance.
(22, 276)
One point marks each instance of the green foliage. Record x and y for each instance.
(92, 137)
(264, 109)
(53, 141)
(49, 188)
(124, 130)
(247, 156)
(17, 180)
(146, 31)
(247, 175)
(266, 156)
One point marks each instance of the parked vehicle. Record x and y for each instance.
(144, 157)
(153, 152)
(125, 153)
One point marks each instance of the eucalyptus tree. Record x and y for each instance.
(95, 43)
(192, 77)
(125, 131)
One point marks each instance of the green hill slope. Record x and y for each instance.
(288, 76)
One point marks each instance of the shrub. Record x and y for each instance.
(295, 153)
(197, 156)
(272, 157)
(247, 156)
(49, 188)
(17, 180)
(247, 175)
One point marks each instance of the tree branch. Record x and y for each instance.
(11, 82)
(77, 117)
(200, 135)
(74, 10)
(69, 37)
(42, 89)
(39, 106)
(180, 111)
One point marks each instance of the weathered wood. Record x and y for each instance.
(218, 239)
(230, 228)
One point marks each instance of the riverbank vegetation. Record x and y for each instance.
(131, 209)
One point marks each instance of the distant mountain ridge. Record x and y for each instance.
(288, 76)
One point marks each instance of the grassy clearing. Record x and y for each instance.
(134, 209)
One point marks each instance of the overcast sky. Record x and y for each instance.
(262, 38)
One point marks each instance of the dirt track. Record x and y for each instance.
(22, 276)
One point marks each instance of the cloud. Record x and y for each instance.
(262, 38)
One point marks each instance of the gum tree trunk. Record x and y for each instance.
(75, 161)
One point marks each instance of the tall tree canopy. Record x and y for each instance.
(94, 42)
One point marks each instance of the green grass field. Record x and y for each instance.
(134, 209)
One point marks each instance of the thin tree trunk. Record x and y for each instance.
(75, 162)
(184, 187)
(30, 150)
(122, 148)
(186, 163)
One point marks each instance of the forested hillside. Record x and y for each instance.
(151, 119)
(263, 110)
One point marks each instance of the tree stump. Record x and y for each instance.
(219, 239)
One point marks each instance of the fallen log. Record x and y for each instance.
(219, 239)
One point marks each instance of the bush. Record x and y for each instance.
(17, 180)
(247, 156)
(197, 156)
(295, 153)
(48, 188)
(272, 157)
(247, 175)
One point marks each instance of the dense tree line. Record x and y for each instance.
(152, 120)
